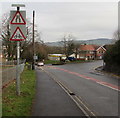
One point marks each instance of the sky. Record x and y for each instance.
(84, 20)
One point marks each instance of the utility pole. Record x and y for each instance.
(33, 63)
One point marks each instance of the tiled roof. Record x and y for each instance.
(88, 47)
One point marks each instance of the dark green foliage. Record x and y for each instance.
(112, 58)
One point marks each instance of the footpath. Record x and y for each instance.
(51, 99)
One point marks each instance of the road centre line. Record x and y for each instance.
(74, 98)
(114, 87)
(93, 114)
(63, 87)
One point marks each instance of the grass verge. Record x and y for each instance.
(13, 105)
(68, 62)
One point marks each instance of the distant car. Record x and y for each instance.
(40, 64)
(71, 58)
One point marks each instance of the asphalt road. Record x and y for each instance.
(51, 99)
(98, 91)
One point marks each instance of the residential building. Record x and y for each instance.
(89, 52)
(100, 52)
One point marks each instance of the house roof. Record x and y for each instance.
(91, 47)
(101, 47)
(88, 47)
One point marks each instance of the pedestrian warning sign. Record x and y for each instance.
(18, 19)
(17, 35)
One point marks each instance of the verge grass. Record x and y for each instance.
(67, 62)
(13, 105)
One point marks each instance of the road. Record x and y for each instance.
(97, 91)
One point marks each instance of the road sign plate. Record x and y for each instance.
(18, 19)
(17, 35)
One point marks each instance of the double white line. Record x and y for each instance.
(79, 102)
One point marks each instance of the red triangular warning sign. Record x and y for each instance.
(18, 19)
(17, 35)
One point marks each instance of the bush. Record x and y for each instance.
(112, 58)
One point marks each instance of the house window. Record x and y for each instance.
(91, 52)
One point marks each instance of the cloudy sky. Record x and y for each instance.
(84, 20)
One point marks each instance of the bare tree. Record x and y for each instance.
(9, 47)
(116, 35)
(77, 46)
(68, 44)
(64, 43)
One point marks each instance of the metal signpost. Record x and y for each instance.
(18, 33)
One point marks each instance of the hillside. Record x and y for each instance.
(99, 41)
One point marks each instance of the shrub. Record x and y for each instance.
(112, 58)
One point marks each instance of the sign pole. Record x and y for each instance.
(17, 70)
(18, 31)
(16, 23)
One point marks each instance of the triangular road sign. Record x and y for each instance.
(18, 19)
(17, 35)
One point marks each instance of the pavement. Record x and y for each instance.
(100, 69)
(51, 99)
